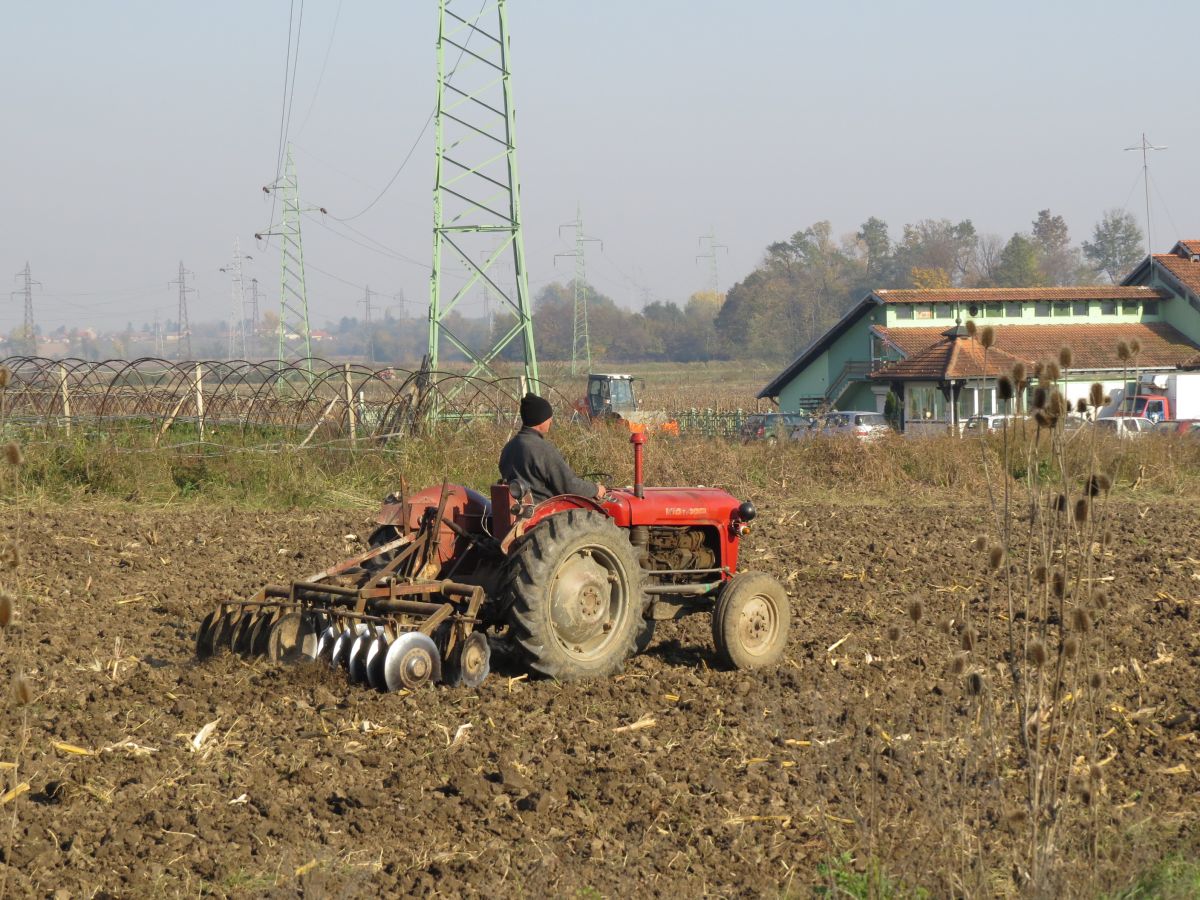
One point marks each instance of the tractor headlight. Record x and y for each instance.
(746, 512)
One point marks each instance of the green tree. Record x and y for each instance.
(1019, 263)
(1058, 260)
(938, 244)
(1116, 244)
(878, 246)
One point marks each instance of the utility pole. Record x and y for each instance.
(28, 331)
(581, 345)
(254, 306)
(237, 316)
(711, 256)
(158, 338)
(183, 347)
(365, 302)
(1145, 146)
(295, 335)
(476, 188)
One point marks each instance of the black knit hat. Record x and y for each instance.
(535, 410)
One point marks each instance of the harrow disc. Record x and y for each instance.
(204, 636)
(241, 641)
(357, 664)
(376, 655)
(412, 661)
(340, 655)
(260, 636)
(292, 639)
(325, 644)
(222, 631)
(473, 662)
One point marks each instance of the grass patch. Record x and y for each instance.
(1171, 878)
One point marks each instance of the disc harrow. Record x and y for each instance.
(379, 615)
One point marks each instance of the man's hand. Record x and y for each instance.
(601, 491)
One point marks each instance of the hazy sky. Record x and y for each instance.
(137, 134)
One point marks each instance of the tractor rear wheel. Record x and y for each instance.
(750, 622)
(576, 595)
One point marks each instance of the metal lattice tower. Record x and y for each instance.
(28, 341)
(581, 345)
(184, 330)
(295, 336)
(237, 293)
(368, 327)
(476, 190)
(711, 256)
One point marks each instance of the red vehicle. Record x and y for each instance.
(573, 585)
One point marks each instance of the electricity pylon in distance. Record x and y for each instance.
(28, 336)
(295, 335)
(476, 189)
(711, 256)
(581, 344)
(183, 342)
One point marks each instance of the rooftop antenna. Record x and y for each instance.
(581, 345)
(1146, 146)
(711, 256)
(476, 190)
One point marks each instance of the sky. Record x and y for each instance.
(139, 134)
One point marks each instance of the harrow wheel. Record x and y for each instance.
(576, 594)
(222, 631)
(260, 636)
(471, 663)
(411, 662)
(241, 642)
(750, 622)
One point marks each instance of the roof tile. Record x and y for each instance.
(1093, 346)
(983, 295)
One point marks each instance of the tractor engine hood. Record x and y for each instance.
(673, 506)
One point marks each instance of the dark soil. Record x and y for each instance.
(740, 784)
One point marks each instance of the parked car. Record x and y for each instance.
(1179, 426)
(867, 426)
(989, 424)
(1125, 426)
(768, 426)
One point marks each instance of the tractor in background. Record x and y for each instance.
(610, 398)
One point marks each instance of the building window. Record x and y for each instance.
(1108, 307)
(993, 310)
(1129, 307)
(1062, 308)
(1150, 308)
(904, 311)
(944, 310)
(924, 312)
(1041, 309)
(1013, 310)
(1080, 307)
(925, 404)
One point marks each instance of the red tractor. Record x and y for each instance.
(574, 586)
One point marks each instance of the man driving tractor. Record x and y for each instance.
(530, 458)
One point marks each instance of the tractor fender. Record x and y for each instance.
(561, 503)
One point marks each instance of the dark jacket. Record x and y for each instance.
(537, 462)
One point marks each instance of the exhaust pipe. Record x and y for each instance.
(638, 438)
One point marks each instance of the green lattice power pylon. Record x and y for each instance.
(295, 335)
(581, 345)
(476, 191)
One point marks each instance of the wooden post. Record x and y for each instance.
(350, 404)
(66, 397)
(200, 399)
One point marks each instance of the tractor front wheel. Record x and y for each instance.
(750, 622)
(576, 596)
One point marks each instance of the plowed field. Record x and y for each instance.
(674, 779)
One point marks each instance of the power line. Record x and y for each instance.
(320, 78)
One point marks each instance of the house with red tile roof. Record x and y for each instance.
(913, 345)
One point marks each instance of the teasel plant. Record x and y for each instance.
(21, 691)
(1031, 653)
